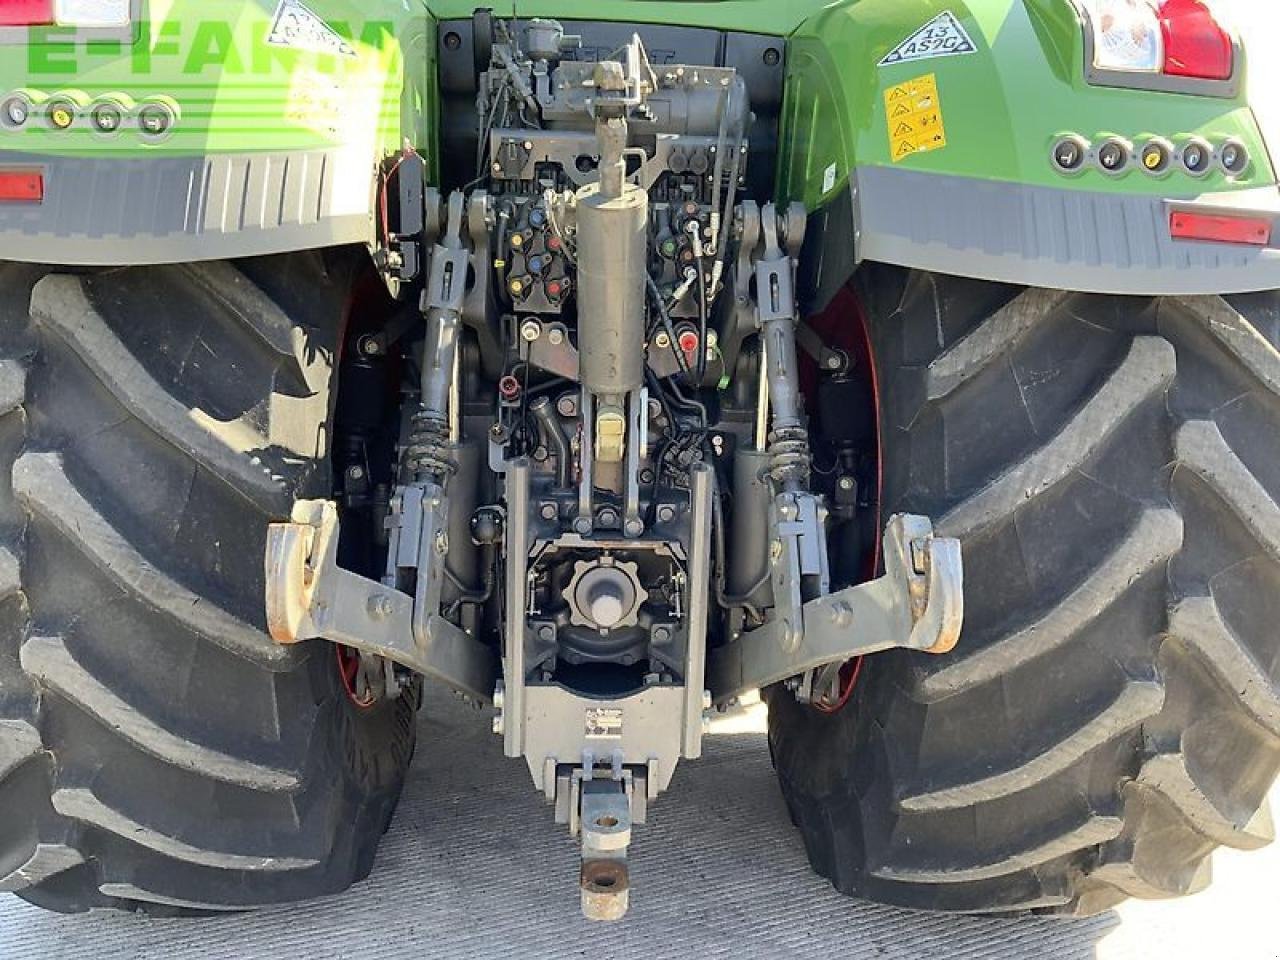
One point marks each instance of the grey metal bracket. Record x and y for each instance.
(798, 550)
(828, 359)
(918, 604)
(309, 596)
(554, 352)
(446, 287)
(605, 826)
(775, 298)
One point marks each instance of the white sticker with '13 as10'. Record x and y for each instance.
(943, 36)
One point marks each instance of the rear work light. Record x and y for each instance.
(21, 186)
(1158, 38)
(64, 13)
(1216, 228)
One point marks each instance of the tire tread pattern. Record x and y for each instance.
(1102, 726)
(157, 751)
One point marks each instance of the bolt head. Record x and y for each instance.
(846, 483)
(555, 337)
(549, 511)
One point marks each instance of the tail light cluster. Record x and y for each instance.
(1158, 38)
(64, 13)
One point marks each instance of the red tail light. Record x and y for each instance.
(1195, 45)
(65, 13)
(26, 13)
(1132, 40)
(1250, 231)
(21, 186)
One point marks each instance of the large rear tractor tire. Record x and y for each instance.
(1112, 713)
(157, 750)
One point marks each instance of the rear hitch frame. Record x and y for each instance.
(918, 604)
(310, 597)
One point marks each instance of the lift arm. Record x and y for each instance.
(918, 605)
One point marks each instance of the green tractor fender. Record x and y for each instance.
(203, 131)
(926, 131)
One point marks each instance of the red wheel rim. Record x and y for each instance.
(349, 671)
(836, 318)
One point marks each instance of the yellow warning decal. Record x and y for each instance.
(914, 115)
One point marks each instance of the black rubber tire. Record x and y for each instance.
(1112, 713)
(157, 750)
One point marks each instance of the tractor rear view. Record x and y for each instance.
(915, 364)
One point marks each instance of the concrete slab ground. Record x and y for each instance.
(474, 867)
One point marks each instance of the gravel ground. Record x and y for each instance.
(475, 867)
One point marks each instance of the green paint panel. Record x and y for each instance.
(234, 92)
(1003, 106)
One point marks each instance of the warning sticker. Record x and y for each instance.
(604, 722)
(914, 115)
(299, 27)
(315, 101)
(943, 36)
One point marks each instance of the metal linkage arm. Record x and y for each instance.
(918, 604)
(309, 596)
